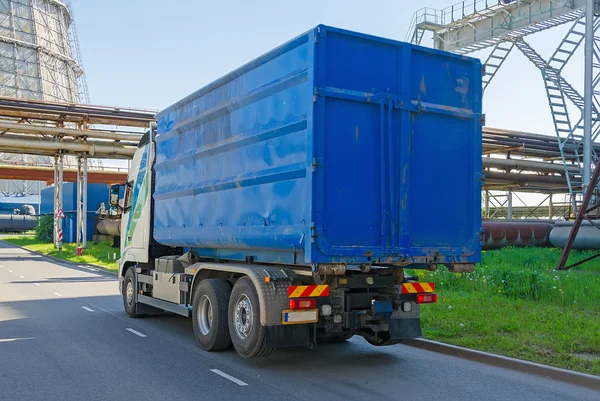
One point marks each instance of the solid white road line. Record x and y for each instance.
(58, 294)
(229, 377)
(9, 340)
(38, 284)
(88, 309)
(137, 333)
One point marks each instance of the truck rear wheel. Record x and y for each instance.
(247, 334)
(128, 292)
(383, 340)
(209, 314)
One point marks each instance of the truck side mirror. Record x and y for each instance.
(114, 195)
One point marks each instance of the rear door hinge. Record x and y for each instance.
(315, 164)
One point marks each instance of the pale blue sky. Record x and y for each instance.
(149, 54)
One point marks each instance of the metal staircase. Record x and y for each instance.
(495, 61)
(472, 25)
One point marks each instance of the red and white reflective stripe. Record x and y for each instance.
(59, 234)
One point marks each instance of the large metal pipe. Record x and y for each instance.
(588, 236)
(61, 132)
(529, 165)
(93, 149)
(531, 179)
(109, 227)
(17, 223)
(498, 234)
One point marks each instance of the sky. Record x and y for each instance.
(149, 54)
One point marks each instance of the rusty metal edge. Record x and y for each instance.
(60, 261)
(538, 369)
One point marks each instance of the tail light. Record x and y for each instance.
(308, 303)
(426, 298)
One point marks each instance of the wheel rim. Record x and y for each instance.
(243, 316)
(205, 315)
(129, 292)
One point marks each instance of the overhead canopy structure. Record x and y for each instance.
(38, 173)
(50, 128)
(74, 113)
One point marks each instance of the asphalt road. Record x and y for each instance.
(64, 336)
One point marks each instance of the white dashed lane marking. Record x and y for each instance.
(88, 309)
(137, 333)
(229, 377)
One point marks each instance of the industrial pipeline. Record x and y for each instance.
(499, 234)
(13, 223)
(588, 236)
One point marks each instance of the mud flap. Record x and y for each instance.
(404, 329)
(288, 336)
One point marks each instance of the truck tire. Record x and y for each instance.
(128, 292)
(384, 340)
(247, 334)
(209, 314)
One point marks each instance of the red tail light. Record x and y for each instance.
(426, 298)
(308, 303)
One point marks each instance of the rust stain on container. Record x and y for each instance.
(422, 86)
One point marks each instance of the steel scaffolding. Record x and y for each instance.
(473, 25)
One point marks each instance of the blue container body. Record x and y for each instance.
(336, 147)
(97, 193)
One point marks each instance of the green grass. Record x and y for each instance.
(97, 254)
(515, 304)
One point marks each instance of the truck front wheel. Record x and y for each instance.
(247, 334)
(128, 290)
(209, 314)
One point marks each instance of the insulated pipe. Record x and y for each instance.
(94, 149)
(527, 165)
(109, 227)
(498, 234)
(588, 236)
(533, 179)
(59, 131)
(17, 223)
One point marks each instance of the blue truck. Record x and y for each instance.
(280, 205)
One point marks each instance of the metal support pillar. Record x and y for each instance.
(58, 201)
(583, 213)
(55, 202)
(550, 207)
(84, 200)
(588, 93)
(509, 215)
(487, 204)
(80, 212)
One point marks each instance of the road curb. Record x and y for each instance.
(563, 375)
(61, 261)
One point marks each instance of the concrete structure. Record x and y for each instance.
(37, 56)
(39, 59)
